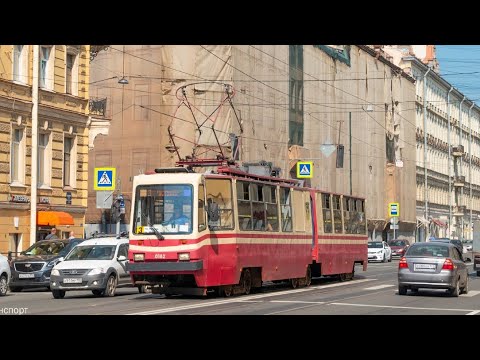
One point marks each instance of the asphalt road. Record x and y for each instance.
(369, 293)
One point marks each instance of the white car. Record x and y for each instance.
(97, 265)
(5, 275)
(379, 251)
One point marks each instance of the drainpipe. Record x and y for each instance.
(425, 174)
(470, 168)
(34, 164)
(449, 166)
(460, 167)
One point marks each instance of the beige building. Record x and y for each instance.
(290, 103)
(62, 141)
(448, 144)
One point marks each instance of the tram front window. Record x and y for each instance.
(166, 209)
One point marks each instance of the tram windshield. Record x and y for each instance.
(163, 209)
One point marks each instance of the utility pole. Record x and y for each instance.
(34, 164)
(350, 146)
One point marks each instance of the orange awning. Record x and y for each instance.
(54, 218)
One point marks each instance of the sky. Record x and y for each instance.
(460, 66)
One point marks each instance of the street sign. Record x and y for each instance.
(104, 199)
(304, 169)
(104, 178)
(394, 227)
(393, 209)
(394, 220)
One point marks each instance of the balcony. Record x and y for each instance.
(98, 106)
(458, 150)
(459, 210)
(459, 181)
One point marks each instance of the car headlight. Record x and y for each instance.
(96, 271)
(55, 272)
(379, 252)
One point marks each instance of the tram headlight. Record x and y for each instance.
(138, 257)
(183, 257)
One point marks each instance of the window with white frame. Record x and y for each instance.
(44, 168)
(20, 61)
(69, 162)
(17, 157)
(71, 71)
(46, 67)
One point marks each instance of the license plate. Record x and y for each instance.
(425, 267)
(72, 281)
(26, 276)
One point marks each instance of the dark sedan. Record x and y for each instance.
(399, 247)
(32, 268)
(434, 265)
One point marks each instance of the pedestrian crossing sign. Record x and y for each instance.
(304, 169)
(104, 178)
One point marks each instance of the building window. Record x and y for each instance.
(46, 67)
(296, 95)
(17, 160)
(44, 160)
(20, 63)
(69, 156)
(71, 71)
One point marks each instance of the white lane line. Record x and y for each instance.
(474, 312)
(247, 298)
(297, 302)
(400, 307)
(471, 293)
(378, 287)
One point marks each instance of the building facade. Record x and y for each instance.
(62, 141)
(448, 137)
(345, 108)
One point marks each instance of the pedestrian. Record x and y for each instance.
(52, 235)
(72, 235)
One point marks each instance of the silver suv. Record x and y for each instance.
(97, 265)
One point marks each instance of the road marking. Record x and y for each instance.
(247, 298)
(378, 287)
(297, 302)
(471, 293)
(402, 307)
(474, 312)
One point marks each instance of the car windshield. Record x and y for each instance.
(375, 245)
(45, 248)
(396, 243)
(428, 250)
(92, 252)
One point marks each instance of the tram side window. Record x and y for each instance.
(362, 228)
(270, 197)
(258, 206)
(337, 214)
(327, 214)
(286, 209)
(201, 208)
(244, 207)
(349, 216)
(220, 208)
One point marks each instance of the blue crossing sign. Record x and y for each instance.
(104, 178)
(394, 209)
(304, 169)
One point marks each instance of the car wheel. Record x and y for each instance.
(142, 289)
(3, 285)
(15, 288)
(465, 287)
(402, 290)
(58, 294)
(390, 259)
(384, 258)
(478, 272)
(456, 290)
(111, 286)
